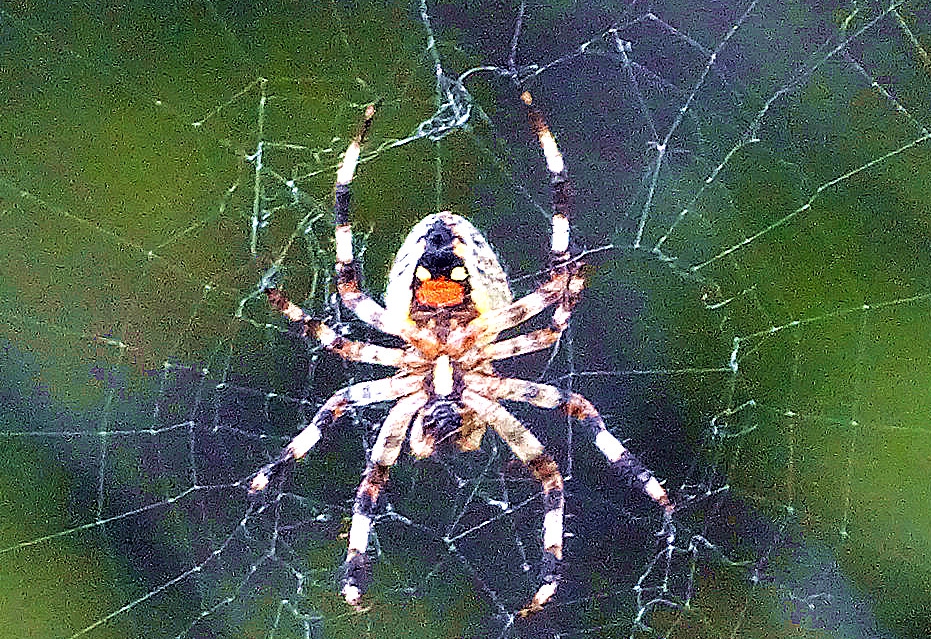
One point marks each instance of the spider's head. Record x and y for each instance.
(445, 262)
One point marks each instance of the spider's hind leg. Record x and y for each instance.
(621, 460)
(529, 450)
(361, 394)
(355, 574)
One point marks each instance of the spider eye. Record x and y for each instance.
(458, 273)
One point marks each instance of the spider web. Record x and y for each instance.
(752, 203)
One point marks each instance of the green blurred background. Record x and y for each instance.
(795, 369)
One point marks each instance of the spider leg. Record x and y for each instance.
(563, 286)
(530, 451)
(545, 396)
(544, 337)
(565, 282)
(355, 574)
(347, 270)
(347, 349)
(561, 187)
(361, 394)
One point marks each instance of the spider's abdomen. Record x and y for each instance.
(445, 263)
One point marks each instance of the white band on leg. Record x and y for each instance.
(552, 529)
(608, 444)
(343, 244)
(347, 169)
(560, 233)
(359, 533)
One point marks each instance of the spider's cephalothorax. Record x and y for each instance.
(448, 299)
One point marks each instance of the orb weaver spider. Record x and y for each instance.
(448, 299)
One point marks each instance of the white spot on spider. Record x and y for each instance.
(552, 528)
(554, 160)
(343, 244)
(421, 447)
(443, 376)
(655, 490)
(259, 483)
(367, 310)
(351, 594)
(304, 441)
(348, 168)
(561, 317)
(544, 594)
(294, 312)
(326, 335)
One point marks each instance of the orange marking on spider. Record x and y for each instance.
(440, 293)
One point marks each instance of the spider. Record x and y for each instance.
(448, 299)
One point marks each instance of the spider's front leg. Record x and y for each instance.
(565, 283)
(347, 270)
(560, 185)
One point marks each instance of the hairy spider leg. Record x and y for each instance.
(560, 185)
(355, 574)
(347, 349)
(620, 458)
(529, 450)
(541, 338)
(565, 282)
(485, 328)
(347, 270)
(361, 394)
